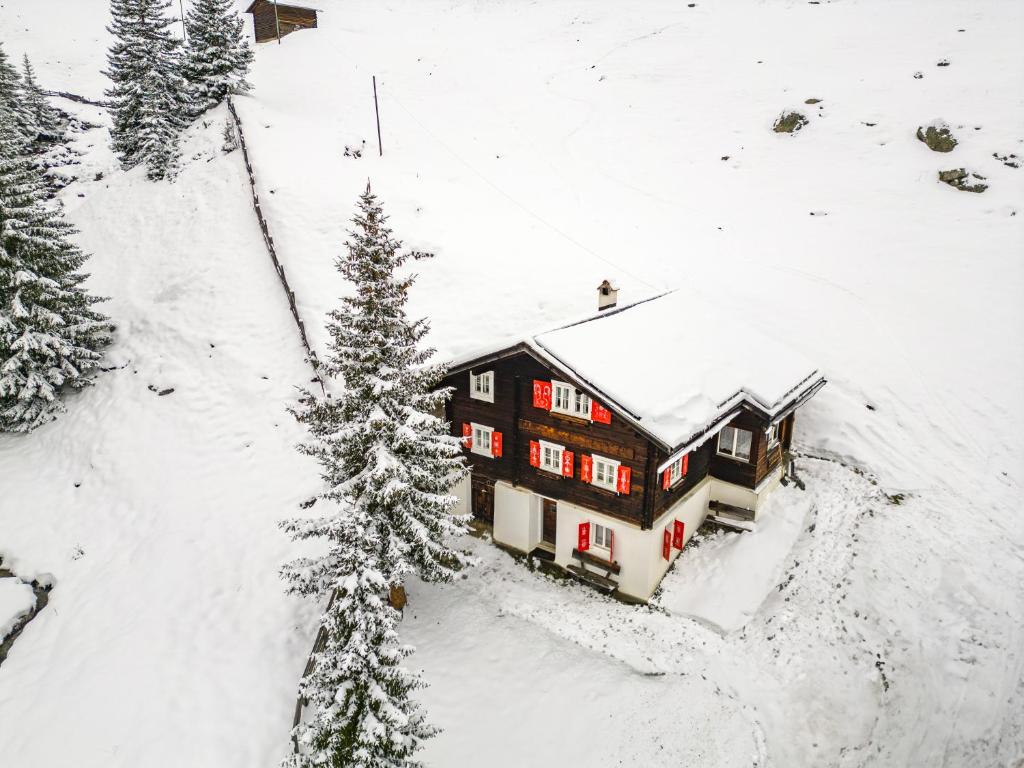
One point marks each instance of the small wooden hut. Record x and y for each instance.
(272, 20)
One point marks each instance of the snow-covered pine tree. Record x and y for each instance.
(362, 715)
(47, 119)
(217, 54)
(50, 335)
(381, 438)
(12, 98)
(388, 462)
(149, 102)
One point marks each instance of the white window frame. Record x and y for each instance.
(772, 435)
(607, 535)
(556, 388)
(481, 386)
(556, 451)
(675, 471)
(735, 441)
(578, 402)
(612, 465)
(477, 447)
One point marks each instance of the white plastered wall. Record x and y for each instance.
(516, 517)
(738, 496)
(689, 510)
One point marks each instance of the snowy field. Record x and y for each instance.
(876, 619)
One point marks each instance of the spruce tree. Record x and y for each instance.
(389, 464)
(50, 335)
(381, 437)
(12, 99)
(217, 54)
(47, 119)
(148, 97)
(358, 692)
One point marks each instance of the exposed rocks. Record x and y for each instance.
(1011, 161)
(943, 63)
(812, 101)
(938, 137)
(918, 75)
(789, 122)
(959, 178)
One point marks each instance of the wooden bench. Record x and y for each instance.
(740, 513)
(604, 582)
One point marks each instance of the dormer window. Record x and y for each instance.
(481, 386)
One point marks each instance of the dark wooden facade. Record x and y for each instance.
(289, 17)
(514, 415)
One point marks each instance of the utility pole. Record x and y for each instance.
(376, 109)
(277, 22)
(184, 32)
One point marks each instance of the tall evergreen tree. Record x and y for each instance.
(381, 437)
(50, 335)
(388, 462)
(217, 54)
(358, 690)
(149, 96)
(12, 98)
(47, 119)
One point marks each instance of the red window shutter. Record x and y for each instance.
(586, 468)
(542, 394)
(496, 444)
(686, 464)
(666, 544)
(584, 537)
(467, 435)
(678, 533)
(622, 480)
(567, 462)
(534, 453)
(666, 479)
(599, 413)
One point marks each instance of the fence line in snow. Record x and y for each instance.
(272, 250)
(76, 97)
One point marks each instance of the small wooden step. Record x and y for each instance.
(543, 554)
(595, 580)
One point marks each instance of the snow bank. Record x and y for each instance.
(723, 581)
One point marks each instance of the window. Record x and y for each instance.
(563, 397)
(605, 472)
(482, 440)
(735, 443)
(570, 401)
(772, 435)
(481, 386)
(581, 405)
(675, 471)
(602, 536)
(551, 457)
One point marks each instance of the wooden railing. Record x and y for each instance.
(268, 240)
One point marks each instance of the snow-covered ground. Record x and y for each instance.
(538, 149)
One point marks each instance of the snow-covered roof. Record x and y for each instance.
(677, 364)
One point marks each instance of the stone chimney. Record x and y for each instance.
(607, 296)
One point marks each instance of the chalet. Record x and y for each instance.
(604, 445)
(272, 20)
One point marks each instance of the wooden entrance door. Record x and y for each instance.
(483, 500)
(550, 520)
